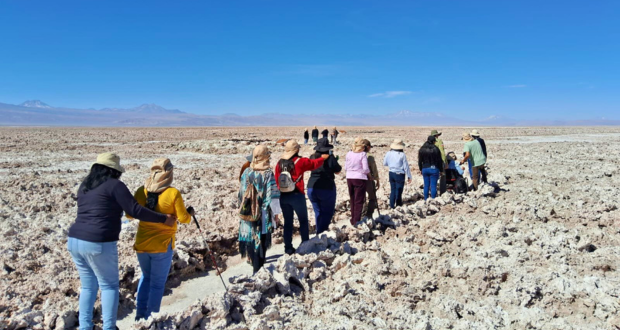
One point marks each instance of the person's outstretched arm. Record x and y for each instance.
(125, 199)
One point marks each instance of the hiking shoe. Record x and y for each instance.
(289, 251)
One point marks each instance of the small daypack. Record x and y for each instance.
(460, 186)
(287, 184)
(250, 207)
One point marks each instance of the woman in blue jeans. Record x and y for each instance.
(396, 160)
(155, 241)
(431, 165)
(322, 187)
(101, 200)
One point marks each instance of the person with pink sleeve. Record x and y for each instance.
(356, 167)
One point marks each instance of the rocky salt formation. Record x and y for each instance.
(539, 250)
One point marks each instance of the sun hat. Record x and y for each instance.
(474, 132)
(435, 132)
(292, 147)
(467, 137)
(398, 144)
(322, 145)
(260, 160)
(161, 176)
(110, 160)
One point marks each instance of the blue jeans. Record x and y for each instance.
(431, 175)
(397, 185)
(305, 141)
(97, 264)
(155, 268)
(324, 205)
(292, 203)
(471, 165)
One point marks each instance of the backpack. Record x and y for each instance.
(250, 209)
(460, 186)
(286, 180)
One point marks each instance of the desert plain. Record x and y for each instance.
(537, 248)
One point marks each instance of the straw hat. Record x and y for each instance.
(110, 160)
(467, 137)
(292, 147)
(398, 144)
(474, 132)
(435, 132)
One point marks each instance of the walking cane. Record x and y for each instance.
(204, 241)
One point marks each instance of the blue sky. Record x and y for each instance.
(519, 59)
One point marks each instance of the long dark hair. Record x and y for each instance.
(97, 176)
(430, 142)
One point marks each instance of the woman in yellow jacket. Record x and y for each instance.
(154, 241)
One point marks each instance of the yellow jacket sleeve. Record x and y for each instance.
(180, 210)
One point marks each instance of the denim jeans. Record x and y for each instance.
(305, 141)
(292, 203)
(397, 185)
(430, 175)
(155, 268)
(324, 205)
(97, 265)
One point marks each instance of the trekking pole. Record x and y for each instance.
(204, 240)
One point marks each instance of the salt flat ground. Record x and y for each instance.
(553, 228)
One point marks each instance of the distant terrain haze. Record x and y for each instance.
(38, 113)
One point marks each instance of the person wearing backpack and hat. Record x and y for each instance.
(101, 200)
(290, 180)
(473, 151)
(154, 244)
(315, 134)
(322, 186)
(255, 236)
(442, 174)
(476, 135)
(396, 160)
(356, 167)
(372, 184)
(306, 136)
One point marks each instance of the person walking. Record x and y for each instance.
(396, 160)
(155, 242)
(315, 134)
(294, 202)
(306, 137)
(324, 133)
(356, 167)
(473, 151)
(335, 135)
(372, 184)
(442, 174)
(430, 165)
(322, 186)
(255, 237)
(101, 200)
(474, 133)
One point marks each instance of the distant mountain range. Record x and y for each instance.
(37, 113)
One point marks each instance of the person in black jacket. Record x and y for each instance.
(315, 134)
(306, 136)
(101, 200)
(431, 165)
(324, 133)
(322, 187)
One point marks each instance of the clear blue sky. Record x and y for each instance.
(519, 59)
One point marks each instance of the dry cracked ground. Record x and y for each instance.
(537, 249)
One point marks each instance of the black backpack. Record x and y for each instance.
(460, 186)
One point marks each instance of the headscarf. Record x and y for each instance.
(260, 159)
(160, 177)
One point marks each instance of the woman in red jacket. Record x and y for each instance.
(295, 201)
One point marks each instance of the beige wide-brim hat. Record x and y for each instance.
(110, 160)
(292, 147)
(474, 132)
(467, 137)
(397, 145)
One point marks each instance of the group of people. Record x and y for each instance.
(102, 198)
(315, 135)
(280, 193)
